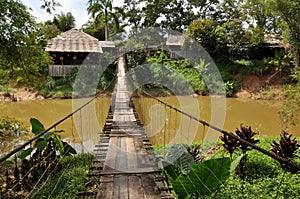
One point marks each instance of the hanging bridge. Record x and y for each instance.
(124, 164)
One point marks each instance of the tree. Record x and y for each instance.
(98, 32)
(49, 5)
(64, 22)
(100, 8)
(289, 11)
(22, 55)
(48, 30)
(204, 31)
(132, 13)
(204, 8)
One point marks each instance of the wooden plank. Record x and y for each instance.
(125, 171)
(135, 190)
(132, 155)
(121, 187)
(106, 188)
(121, 162)
(150, 188)
(111, 154)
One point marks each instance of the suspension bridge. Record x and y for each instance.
(124, 164)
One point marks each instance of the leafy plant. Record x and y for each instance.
(10, 127)
(247, 134)
(203, 178)
(230, 143)
(286, 147)
(195, 151)
(178, 161)
(191, 179)
(32, 164)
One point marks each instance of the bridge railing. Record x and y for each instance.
(87, 120)
(166, 135)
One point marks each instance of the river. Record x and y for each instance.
(227, 114)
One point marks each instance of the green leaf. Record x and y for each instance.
(41, 145)
(180, 158)
(37, 126)
(25, 153)
(58, 131)
(68, 149)
(203, 179)
(58, 143)
(7, 163)
(235, 163)
(48, 135)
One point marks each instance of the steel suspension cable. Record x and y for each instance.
(231, 135)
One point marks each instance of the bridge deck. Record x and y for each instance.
(128, 167)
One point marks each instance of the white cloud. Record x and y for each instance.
(76, 7)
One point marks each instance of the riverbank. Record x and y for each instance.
(22, 94)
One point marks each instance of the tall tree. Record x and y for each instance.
(204, 8)
(289, 11)
(21, 55)
(64, 22)
(100, 8)
(132, 13)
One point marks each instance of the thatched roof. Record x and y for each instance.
(74, 41)
(174, 40)
(107, 44)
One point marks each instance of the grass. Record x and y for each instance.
(264, 178)
(67, 182)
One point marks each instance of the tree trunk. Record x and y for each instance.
(297, 58)
(106, 25)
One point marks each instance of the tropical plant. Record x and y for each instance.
(230, 144)
(245, 133)
(203, 179)
(9, 126)
(64, 22)
(192, 177)
(104, 8)
(286, 148)
(195, 151)
(28, 166)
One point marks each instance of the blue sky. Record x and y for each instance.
(76, 7)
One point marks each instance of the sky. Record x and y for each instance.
(76, 7)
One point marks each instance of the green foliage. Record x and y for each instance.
(178, 161)
(36, 162)
(37, 126)
(67, 182)
(64, 22)
(264, 178)
(22, 55)
(10, 127)
(191, 179)
(203, 178)
(288, 10)
(286, 148)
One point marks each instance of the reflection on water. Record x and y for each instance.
(260, 115)
(81, 130)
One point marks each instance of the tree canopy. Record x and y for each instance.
(21, 55)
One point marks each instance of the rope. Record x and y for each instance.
(231, 135)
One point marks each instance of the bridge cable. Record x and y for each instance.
(231, 135)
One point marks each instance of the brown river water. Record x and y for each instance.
(226, 114)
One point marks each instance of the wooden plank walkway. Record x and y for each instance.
(123, 161)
